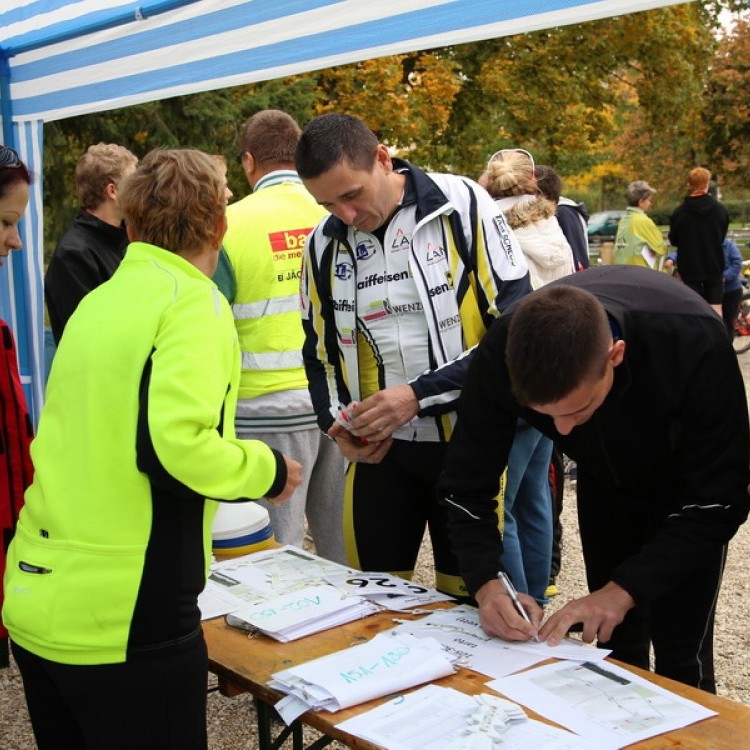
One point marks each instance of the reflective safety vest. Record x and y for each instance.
(266, 236)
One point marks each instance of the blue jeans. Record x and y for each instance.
(527, 511)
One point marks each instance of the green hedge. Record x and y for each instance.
(739, 212)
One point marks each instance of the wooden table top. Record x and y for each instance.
(245, 664)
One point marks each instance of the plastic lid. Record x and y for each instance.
(235, 520)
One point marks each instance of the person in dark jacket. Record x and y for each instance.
(571, 216)
(619, 365)
(697, 228)
(92, 249)
(733, 289)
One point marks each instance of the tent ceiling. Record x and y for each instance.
(72, 58)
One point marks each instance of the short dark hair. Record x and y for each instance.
(271, 137)
(330, 139)
(548, 182)
(558, 338)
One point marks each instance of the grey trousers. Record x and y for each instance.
(319, 497)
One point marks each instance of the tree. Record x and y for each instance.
(612, 92)
(728, 108)
(209, 121)
(406, 99)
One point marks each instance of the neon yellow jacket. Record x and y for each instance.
(634, 231)
(265, 239)
(113, 543)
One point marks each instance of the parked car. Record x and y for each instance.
(602, 226)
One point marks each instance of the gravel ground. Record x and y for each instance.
(231, 720)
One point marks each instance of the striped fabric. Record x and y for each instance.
(60, 58)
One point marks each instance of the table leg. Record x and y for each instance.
(266, 715)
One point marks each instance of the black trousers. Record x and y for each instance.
(730, 306)
(387, 507)
(614, 525)
(154, 703)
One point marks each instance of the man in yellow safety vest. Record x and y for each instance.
(266, 236)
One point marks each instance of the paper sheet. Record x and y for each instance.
(387, 590)
(602, 702)
(459, 631)
(436, 718)
(649, 256)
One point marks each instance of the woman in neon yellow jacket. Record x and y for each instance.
(113, 544)
(639, 241)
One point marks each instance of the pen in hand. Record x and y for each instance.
(511, 591)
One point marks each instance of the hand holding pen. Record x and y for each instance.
(510, 589)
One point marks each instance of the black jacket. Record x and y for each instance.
(671, 438)
(572, 218)
(697, 228)
(87, 255)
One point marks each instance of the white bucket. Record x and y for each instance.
(241, 528)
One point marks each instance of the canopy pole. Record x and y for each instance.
(6, 104)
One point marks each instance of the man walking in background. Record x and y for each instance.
(264, 243)
(697, 228)
(92, 249)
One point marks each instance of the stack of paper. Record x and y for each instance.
(301, 613)
(233, 584)
(383, 665)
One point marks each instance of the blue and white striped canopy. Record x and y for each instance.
(60, 58)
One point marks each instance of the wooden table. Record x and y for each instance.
(245, 664)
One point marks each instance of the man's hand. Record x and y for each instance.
(600, 613)
(380, 415)
(499, 616)
(293, 478)
(356, 449)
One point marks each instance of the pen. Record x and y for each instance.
(511, 591)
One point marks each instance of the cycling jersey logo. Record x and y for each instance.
(436, 291)
(401, 240)
(376, 279)
(376, 309)
(365, 250)
(450, 322)
(343, 305)
(435, 253)
(408, 307)
(505, 240)
(343, 271)
(347, 336)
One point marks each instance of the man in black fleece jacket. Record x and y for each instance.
(634, 377)
(697, 228)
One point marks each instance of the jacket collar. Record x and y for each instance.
(277, 177)
(111, 232)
